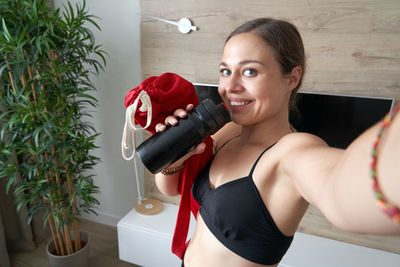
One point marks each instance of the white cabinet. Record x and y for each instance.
(146, 240)
(313, 251)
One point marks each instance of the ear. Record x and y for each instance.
(295, 77)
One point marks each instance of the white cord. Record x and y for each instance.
(130, 131)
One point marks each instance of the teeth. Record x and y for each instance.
(237, 104)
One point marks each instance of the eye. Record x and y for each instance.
(225, 72)
(250, 72)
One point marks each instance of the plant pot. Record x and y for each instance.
(77, 259)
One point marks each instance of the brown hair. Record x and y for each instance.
(284, 38)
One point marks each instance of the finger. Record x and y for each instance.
(189, 107)
(160, 127)
(199, 148)
(180, 113)
(171, 120)
(196, 150)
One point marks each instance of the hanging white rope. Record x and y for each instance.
(129, 132)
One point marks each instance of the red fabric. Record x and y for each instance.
(169, 92)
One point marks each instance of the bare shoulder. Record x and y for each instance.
(292, 153)
(307, 159)
(307, 152)
(297, 145)
(296, 141)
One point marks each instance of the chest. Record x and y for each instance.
(234, 163)
(234, 205)
(246, 189)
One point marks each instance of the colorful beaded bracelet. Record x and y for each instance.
(389, 208)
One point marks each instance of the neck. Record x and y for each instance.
(266, 132)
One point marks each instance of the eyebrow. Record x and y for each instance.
(243, 62)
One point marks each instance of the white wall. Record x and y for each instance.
(120, 37)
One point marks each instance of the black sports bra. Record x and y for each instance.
(235, 213)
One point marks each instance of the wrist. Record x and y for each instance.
(171, 170)
(178, 163)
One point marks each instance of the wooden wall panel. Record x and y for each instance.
(352, 47)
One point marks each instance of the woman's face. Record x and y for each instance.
(251, 83)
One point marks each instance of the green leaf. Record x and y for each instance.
(10, 182)
(2, 68)
(38, 45)
(26, 117)
(19, 206)
(23, 33)
(35, 14)
(6, 33)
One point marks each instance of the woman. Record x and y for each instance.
(263, 175)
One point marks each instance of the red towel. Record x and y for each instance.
(169, 92)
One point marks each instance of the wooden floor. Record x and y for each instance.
(103, 249)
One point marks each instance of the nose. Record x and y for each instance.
(230, 84)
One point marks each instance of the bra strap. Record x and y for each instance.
(259, 157)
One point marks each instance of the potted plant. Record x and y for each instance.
(46, 62)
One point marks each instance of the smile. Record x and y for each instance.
(239, 103)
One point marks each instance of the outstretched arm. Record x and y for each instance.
(339, 183)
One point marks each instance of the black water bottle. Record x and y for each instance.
(164, 148)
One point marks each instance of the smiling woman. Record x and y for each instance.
(287, 54)
(262, 171)
(248, 63)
